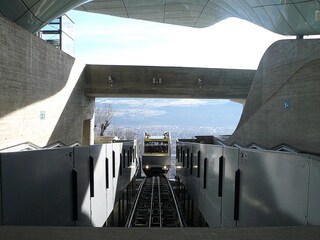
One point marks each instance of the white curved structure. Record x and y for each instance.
(287, 17)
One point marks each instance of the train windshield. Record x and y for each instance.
(156, 146)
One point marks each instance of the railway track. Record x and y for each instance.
(155, 205)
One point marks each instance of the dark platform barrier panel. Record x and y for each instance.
(241, 187)
(37, 187)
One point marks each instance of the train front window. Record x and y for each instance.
(156, 147)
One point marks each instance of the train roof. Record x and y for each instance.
(157, 138)
(164, 137)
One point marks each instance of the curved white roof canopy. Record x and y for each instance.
(34, 14)
(287, 17)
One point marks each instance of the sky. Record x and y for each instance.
(232, 43)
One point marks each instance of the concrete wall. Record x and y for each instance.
(167, 82)
(41, 97)
(282, 105)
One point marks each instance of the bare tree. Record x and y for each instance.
(123, 133)
(103, 116)
(130, 134)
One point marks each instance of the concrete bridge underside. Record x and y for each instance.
(167, 82)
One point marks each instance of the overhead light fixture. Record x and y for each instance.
(199, 83)
(110, 81)
(156, 80)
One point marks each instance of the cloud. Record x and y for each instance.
(152, 103)
(177, 103)
(149, 113)
(100, 100)
(129, 102)
(156, 103)
(120, 113)
(219, 101)
(148, 108)
(139, 113)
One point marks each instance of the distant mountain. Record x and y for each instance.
(207, 113)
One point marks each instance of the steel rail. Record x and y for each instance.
(160, 210)
(155, 205)
(151, 201)
(132, 212)
(176, 204)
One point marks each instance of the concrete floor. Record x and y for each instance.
(61, 233)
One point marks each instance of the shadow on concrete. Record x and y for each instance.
(69, 128)
(32, 70)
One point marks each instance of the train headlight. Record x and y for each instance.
(147, 167)
(165, 167)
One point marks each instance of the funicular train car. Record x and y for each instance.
(156, 155)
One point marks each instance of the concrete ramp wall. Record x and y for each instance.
(282, 105)
(41, 96)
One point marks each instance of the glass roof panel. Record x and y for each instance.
(188, 22)
(158, 9)
(270, 2)
(300, 1)
(46, 10)
(30, 22)
(265, 18)
(119, 12)
(182, 10)
(12, 9)
(104, 5)
(254, 3)
(227, 5)
(242, 8)
(31, 3)
(278, 20)
(194, 2)
(311, 13)
(135, 3)
(294, 19)
(215, 9)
